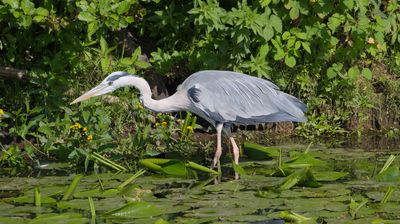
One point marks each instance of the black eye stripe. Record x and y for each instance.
(115, 77)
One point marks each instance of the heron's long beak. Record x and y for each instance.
(96, 91)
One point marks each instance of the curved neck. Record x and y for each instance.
(176, 102)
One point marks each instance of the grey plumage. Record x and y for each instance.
(233, 98)
(223, 98)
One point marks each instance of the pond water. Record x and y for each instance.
(320, 185)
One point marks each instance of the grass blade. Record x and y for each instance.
(389, 161)
(92, 208)
(389, 192)
(37, 199)
(71, 189)
(132, 178)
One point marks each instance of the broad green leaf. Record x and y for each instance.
(329, 175)
(201, 168)
(335, 21)
(276, 23)
(123, 7)
(306, 46)
(41, 11)
(238, 169)
(65, 218)
(86, 16)
(135, 210)
(294, 13)
(302, 177)
(349, 4)
(259, 152)
(28, 7)
(175, 168)
(303, 160)
(301, 35)
(367, 73)
(353, 72)
(290, 61)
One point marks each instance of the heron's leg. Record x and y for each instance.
(218, 152)
(235, 151)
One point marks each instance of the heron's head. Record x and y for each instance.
(112, 82)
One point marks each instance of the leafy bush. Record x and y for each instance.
(341, 57)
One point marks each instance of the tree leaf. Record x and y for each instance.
(86, 16)
(306, 47)
(290, 61)
(276, 23)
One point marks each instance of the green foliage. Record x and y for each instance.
(324, 52)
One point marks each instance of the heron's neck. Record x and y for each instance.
(171, 104)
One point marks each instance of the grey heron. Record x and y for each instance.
(222, 98)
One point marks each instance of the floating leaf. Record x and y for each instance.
(329, 175)
(302, 177)
(303, 160)
(259, 152)
(135, 210)
(391, 174)
(66, 218)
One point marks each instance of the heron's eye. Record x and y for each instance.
(110, 83)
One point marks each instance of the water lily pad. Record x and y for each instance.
(13, 220)
(66, 218)
(100, 205)
(135, 210)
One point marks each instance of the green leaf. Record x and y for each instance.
(86, 16)
(27, 7)
(329, 175)
(123, 7)
(303, 160)
(302, 177)
(41, 11)
(391, 174)
(71, 189)
(306, 46)
(353, 72)
(349, 4)
(201, 168)
(290, 61)
(367, 73)
(65, 218)
(276, 23)
(259, 152)
(238, 169)
(301, 35)
(138, 209)
(294, 13)
(175, 168)
(334, 21)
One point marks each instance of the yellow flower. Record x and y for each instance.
(157, 124)
(90, 138)
(75, 126)
(139, 106)
(164, 124)
(85, 129)
(190, 128)
(1, 112)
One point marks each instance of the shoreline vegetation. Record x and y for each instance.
(342, 58)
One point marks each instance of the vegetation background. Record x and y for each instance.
(341, 57)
